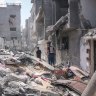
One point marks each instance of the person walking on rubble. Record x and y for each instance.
(38, 53)
(51, 54)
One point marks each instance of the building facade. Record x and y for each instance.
(64, 33)
(40, 22)
(10, 25)
(88, 41)
(29, 32)
(57, 21)
(65, 23)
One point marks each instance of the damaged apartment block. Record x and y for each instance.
(64, 23)
(57, 21)
(64, 31)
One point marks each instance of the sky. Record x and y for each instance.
(26, 6)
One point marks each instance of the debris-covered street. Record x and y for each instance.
(24, 75)
(47, 47)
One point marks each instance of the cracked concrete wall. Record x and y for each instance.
(37, 5)
(73, 53)
(74, 20)
(47, 8)
(48, 12)
(89, 10)
(74, 47)
(61, 8)
(5, 13)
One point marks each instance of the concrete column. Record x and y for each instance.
(73, 10)
(91, 87)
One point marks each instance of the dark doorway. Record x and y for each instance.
(63, 3)
(94, 55)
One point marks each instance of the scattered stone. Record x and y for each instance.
(20, 70)
(25, 59)
(38, 81)
(15, 84)
(1, 90)
(30, 90)
(12, 61)
(14, 77)
(4, 71)
(33, 81)
(11, 91)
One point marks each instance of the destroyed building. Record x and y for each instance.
(64, 31)
(28, 33)
(64, 23)
(88, 43)
(59, 28)
(10, 21)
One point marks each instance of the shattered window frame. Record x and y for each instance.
(65, 43)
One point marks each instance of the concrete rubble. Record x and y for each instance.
(24, 75)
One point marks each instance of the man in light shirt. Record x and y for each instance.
(51, 55)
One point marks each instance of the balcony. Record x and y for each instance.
(40, 15)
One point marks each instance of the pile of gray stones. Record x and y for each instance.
(17, 84)
(12, 84)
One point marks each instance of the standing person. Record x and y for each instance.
(48, 52)
(38, 53)
(51, 54)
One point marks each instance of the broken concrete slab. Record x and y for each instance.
(12, 92)
(12, 60)
(20, 70)
(78, 72)
(45, 64)
(4, 71)
(71, 72)
(1, 90)
(74, 85)
(14, 77)
(38, 81)
(16, 84)
(30, 90)
(29, 79)
(25, 59)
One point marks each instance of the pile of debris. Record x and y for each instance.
(22, 82)
(24, 75)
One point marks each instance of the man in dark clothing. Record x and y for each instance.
(38, 53)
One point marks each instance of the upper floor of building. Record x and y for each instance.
(10, 20)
